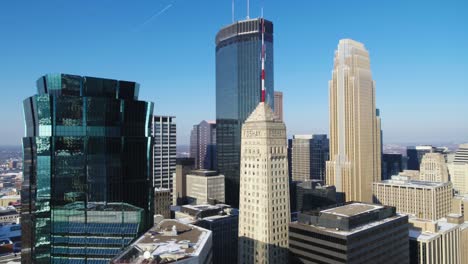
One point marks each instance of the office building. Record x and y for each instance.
(162, 202)
(264, 189)
(164, 151)
(433, 168)
(352, 233)
(238, 91)
(458, 170)
(170, 241)
(425, 200)
(204, 186)
(415, 155)
(309, 155)
(8, 215)
(222, 221)
(183, 167)
(279, 106)
(203, 145)
(312, 195)
(460, 206)
(438, 242)
(301, 158)
(319, 156)
(355, 156)
(392, 164)
(86, 192)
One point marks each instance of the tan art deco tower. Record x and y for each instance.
(355, 144)
(264, 189)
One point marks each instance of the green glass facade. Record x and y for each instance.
(87, 189)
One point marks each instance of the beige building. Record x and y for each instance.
(279, 106)
(425, 200)
(204, 186)
(438, 242)
(264, 189)
(433, 168)
(460, 206)
(464, 243)
(162, 202)
(458, 170)
(183, 167)
(301, 157)
(411, 174)
(355, 159)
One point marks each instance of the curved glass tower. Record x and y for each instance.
(238, 91)
(87, 188)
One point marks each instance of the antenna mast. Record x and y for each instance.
(248, 7)
(232, 11)
(263, 58)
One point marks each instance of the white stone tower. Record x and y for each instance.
(264, 189)
(354, 127)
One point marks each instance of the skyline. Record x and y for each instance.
(126, 46)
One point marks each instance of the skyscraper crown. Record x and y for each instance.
(263, 112)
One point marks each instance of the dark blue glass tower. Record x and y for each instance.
(87, 188)
(238, 91)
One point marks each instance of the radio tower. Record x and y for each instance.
(263, 58)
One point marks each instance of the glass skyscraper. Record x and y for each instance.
(87, 189)
(238, 91)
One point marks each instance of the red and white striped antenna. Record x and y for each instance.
(263, 58)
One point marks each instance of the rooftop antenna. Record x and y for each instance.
(263, 57)
(248, 7)
(232, 11)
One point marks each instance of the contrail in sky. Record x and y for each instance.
(155, 15)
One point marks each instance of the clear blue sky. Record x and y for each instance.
(419, 57)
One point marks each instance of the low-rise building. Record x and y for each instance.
(9, 215)
(223, 221)
(352, 233)
(169, 242)
(438, 242)
(425, 200)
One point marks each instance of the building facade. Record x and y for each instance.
(438, 242)
(425, 200)
(162, 202)
(433, 168)
(460, 206)
(164, 150)
(320, 154)
(301, 158)
(415, 155)
(279, 106)
(353, 233)
(179, 179)
(203, 145)
(87, 153)
(238, 81)
(355, 156)
(458, 170)
(264, 189)
(392, 164)
(204, 186)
